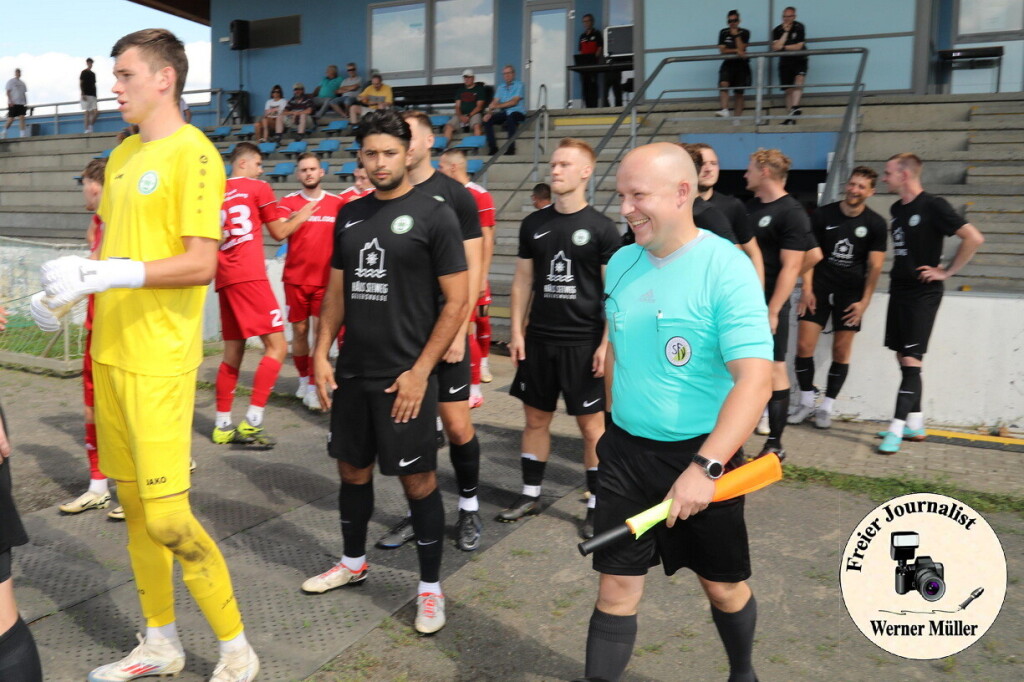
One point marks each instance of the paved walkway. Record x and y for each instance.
(518, 607)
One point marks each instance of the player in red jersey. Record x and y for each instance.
(98, 494)
(308, 225)
(453, 164)
(360, 189)
(248, 306)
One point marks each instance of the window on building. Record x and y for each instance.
(463, 34)
(990, 16)
(398, 38)
(620, 12)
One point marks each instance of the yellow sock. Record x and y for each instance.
(152, 563)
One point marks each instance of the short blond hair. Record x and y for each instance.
(777, 163)
(909, 162)
(576, 143)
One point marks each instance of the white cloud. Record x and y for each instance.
(53, 76)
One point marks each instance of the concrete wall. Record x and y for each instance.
(973, 371)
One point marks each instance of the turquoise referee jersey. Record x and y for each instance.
(674, 323)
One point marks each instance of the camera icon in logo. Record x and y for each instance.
(924, 575)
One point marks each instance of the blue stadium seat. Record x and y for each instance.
(474, 166)
(436, 163)
(326, 166)
(347, 168)
(78, 179)
(295, 148)
(219, 133)
(246, 132)
(440, 142)
(230, 149)
(335, 128)
(471, 142)
(438, 121)
(282, 170)
(267, 148)
(105, 154)
(327, 147)
(354, 147)
(227, 169)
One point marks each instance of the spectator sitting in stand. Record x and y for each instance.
(273, 112)
(327, 90)
(376, 96)
(469, 105)
(508, 107)
(299, 110)
(347, 92)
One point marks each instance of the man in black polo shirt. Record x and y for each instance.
(790, 36)
(591, 45)
(840, 287)
(920, 221)
(734, 73)
(783, 232)
(558, 336)
(396, 252)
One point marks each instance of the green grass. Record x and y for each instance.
(881, 489)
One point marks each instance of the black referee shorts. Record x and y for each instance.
(636, 473)
(453, 379)
(832, 303)
(910, 318)
(735, 72)
(363, 431)
(549, 370)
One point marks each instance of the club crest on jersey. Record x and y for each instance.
(401, 224)
(561, 268)
(439, 198)
(371, 261)
(580, 237)
(842, 251)
(765, 221)
(148, 182)
(677, 351)
(914, 221)
(860, 231)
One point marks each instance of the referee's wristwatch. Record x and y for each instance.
(712, 467)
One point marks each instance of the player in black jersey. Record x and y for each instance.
(558, 285)
(840, 287)
(783, 232)
(791, 36)
(453, 372)
(734, 73)
(396, 253)
(731, 207)
(920, 221)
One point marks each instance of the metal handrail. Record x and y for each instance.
(843, 161)
(215, 98)
(629, 111)
(541, 119)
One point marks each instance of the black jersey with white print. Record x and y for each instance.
(727, 39)
(460, 199)
(392, 252)
(918, 229)
(736, 212)
(845, 244)
(568, 252)
(778, 225)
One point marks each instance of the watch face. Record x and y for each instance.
(715, 469)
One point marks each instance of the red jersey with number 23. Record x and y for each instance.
(248, 203)
(310, 247)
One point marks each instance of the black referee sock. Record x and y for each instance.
(805, 373)
(19, 658)
(836, 377)
(466, 463)
(778, 410)
(592, 481)
(355, 507)
(737, 633)
(910, 392)
(533, 471)
(610, 642)
(428, 522)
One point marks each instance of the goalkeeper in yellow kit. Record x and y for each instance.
(161, 205)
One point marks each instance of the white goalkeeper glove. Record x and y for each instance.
(69, 278)
(42, 315)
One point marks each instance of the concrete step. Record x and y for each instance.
(985, 257)
(1006, 120)
(995, 204)
(986, 284)
(32, 196)
(994, 175)
(40, 177)
(71, 162)
(880, 145)
(994, 271)
(997, 109)
(996, 136)
(44, 223)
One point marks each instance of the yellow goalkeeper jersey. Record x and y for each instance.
(156, 193)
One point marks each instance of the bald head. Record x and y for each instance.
(658, 183)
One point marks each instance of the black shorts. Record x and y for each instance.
(549, 370)
(832, 302)
(781, 336)
(789, 69)
(635, 474)
(453, 379)
(735, 72)
(362, 430)
(12, 533)
(16, 110)
(909, 321)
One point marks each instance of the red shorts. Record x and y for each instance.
(486, 298)
(87, 385)
(303, 301)
(249, 309)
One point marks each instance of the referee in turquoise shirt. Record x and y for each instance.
(689, 370)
